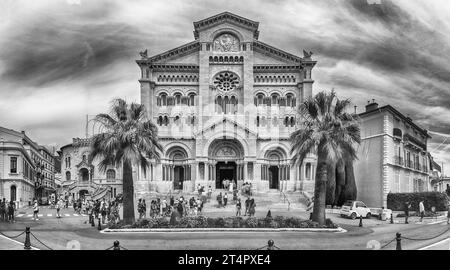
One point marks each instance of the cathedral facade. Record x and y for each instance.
(225, 105)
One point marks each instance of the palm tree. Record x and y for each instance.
(128, 138)
(328, 131)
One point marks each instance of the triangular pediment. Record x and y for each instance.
(226, 17)
(185, 54)
(226, 121)
(265, 54)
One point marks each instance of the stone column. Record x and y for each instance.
(206, 174)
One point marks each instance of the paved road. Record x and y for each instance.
(441, 245)
(73, 231)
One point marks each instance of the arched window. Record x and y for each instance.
(289, 100)
(166, 120)
(177, 99)
(274, 99)
(160, 121)
(286, 121)
(292, 121)
(308, 171)
(176, 120)
(219, 104)
(226, 103)
(191, 100)
(192, 120)
(257, 121)
(260, 99)
(274, 121)
(233, 104)
(110, 174)
(68, 176)
(163, 101)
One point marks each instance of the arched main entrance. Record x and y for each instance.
(274, 180)
(226, 156)
(84, 174)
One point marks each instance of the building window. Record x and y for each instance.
(13, 167)
(110, 174)
(308, 171)
(68, 176)
(177, 99)
(191, 100)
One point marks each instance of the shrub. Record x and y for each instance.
(251, 222)
(161, 223)
(238, 222)
(396, 201)
(228, 222)
(211, 222)
(330, 224)
(219, 222)
(202, 222)
(281, 221)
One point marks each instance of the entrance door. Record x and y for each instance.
(13, 193)
(178, 177)
(273, 177)
(225, 171)
(83, 193)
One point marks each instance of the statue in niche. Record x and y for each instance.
(226, 43)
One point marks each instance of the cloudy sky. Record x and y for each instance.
(63, 59)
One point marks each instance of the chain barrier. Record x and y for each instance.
(40, 241)
(399, 238)
(425, 239)
(12, 237)
(385, 245)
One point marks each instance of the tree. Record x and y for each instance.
(330, 132)
(128, 138)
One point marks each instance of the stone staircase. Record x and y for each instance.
(273, 200)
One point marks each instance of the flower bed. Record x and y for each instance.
(229, 222)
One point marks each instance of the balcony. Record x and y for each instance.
(398, 161)
(397, 134)
(414, 143)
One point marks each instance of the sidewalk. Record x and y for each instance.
(8, 244)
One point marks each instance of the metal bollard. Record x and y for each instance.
(392, 218)
(99, 225)
(360, 221)
(270, 245)
(116, 245)
(27, 244)
(398, 237)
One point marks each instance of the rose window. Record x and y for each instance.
(226, 81)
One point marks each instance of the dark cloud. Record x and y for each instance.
(79, 56)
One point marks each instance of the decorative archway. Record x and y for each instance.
(226, 157)
(177, 168)
(275, 168)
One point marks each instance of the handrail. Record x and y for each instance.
(285, 199)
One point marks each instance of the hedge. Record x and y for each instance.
(396, 201)
(228, 222)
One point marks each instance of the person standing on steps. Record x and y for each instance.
(225, 199)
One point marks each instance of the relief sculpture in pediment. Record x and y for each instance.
(226, 43)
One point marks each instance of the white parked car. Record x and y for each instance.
(355, 209)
